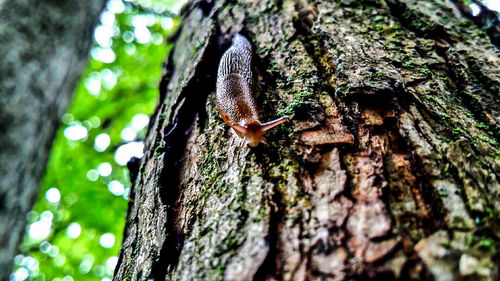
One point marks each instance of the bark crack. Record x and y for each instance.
(269, 267)
(183, 119)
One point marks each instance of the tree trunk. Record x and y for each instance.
(388, 168)
(44, 47)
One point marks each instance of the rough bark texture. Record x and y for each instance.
(388, 169)
(44, 46)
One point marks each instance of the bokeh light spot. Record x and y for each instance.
(54, 251)
(156, 38)
(67, 118)
(128, 36)
(125, 193)
(93, 85)
(39, 230)
(475, 9)
(108, 78)
(18, 259)
(30, 263)
(176, 8)
(92, 175)
(20, 274)
(111, 262)
(71, 198)
(142, 34)
(142, 20)
(108, 18)
(107, 240)
(53, 195)
(74, 230)
(103, 34)
(492, 5)
(59, 260)
(116, 6)
(95, 122)
(127, 151)
(130, 49)
(75, 132)
(46, 216)
(102, 141)
(116, 188)
(167, 23)
(139, 121)
(45, 247)
(86, 264)
(128, 134)
(104, 169)
(105, 55)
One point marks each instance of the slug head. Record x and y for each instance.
(254, 132)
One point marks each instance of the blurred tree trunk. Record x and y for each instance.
(44, 47)
(387, 170)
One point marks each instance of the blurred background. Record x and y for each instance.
(74, 232)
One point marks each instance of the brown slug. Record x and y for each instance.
(235, 94)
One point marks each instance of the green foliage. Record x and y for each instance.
(110, 93)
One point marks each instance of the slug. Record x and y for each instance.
(235, 94)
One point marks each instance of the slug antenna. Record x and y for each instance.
(271, 124)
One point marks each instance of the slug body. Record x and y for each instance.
(235, 93)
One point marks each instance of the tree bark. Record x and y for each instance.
(388, 169)
(44, 47)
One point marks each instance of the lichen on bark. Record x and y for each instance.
(387, 168)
